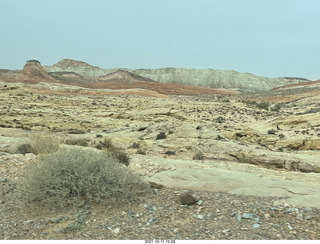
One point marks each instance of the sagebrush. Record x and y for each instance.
(71, 175)
(40, 143)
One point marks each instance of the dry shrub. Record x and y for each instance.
(113, 151)
(77, 141)
(40, 144)
(73, 175)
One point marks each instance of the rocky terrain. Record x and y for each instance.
(250, 160)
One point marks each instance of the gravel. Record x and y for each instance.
(160, 216)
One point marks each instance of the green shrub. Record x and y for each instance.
(72, 175)
(263, 105)
(78, 142)
(198, 156)
(161, 135)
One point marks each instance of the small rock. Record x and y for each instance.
(307, 210)
(289, 210)
(289, 226)
(4, 179)
(267, 216)
(255, 226)
(188, 198)
(200, 216)
(27, 222)
(300, 216)
(239, 218)
(155, 185)
(247, 216)
(309, 217)
(199, 202)
(225, 231)
(59, 230)
(256, 220)
(232, 214)
(116, 231)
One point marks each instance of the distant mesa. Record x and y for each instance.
(64, 63)
(33, 72)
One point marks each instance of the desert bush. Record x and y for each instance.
(198, 156)
(276, 108)
(135, 145)
(78, 142)
(271, 132)
(263, 105)
(142, 152)
(105, 144)
(249, 102)
(161, 135)
(40, 144)
(121, 156)
(72, 175)
(25, 148)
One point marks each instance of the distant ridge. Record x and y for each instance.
(210, 78)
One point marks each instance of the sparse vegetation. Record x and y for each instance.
(40, 144)
(263, 105)
(78, 142)
(198, 156)
(142, 152)
(121, 156)
(271, 132)
(276, 108)
(161, 135)
(135, 145)
(170, 153)
(25, 148)
(69, 176)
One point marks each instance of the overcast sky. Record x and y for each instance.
(271, 38)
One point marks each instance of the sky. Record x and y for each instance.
(273, 38)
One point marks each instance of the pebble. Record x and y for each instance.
(247, 216)
(309, 217)
(4, 179)
(200, 216)
(289, 226)
(300, 216)
(255, 226)
(199, 202)
(256, 220)
(267, 216)
(233, 214)
(307, 210)
(116, 231)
